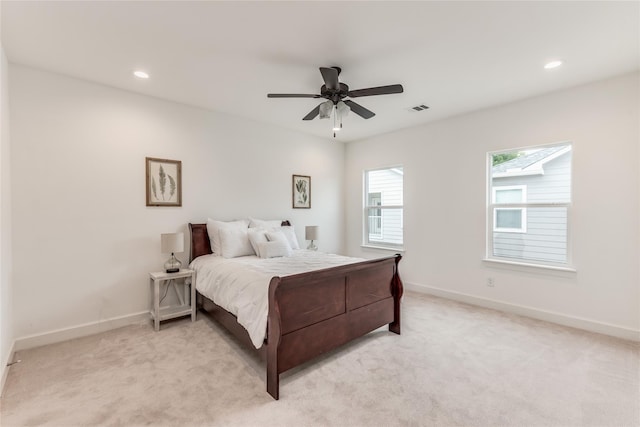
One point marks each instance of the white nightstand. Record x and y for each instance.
(187, 304)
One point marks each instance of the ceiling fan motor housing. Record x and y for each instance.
(334, 95)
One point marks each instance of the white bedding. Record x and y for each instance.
(241, 285)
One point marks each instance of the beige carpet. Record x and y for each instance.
(453, 365)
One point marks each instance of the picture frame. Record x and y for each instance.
(301, 192)
(163, 182)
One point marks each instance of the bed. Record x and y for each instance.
(313, 312)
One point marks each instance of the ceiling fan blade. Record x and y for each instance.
(359, 109)
(292, 95)
(330, 76)
(380, 90)
(312, 114)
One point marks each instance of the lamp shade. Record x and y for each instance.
(172, 242)
(311, 232)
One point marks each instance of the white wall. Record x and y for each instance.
(86, 239)
(445, 180)
(6, 309)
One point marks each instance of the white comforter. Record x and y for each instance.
(241, 285)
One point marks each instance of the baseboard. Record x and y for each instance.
(79, 331)
(5, 368)
(549, 316)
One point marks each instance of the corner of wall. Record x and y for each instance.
(5, 368)
(6, 256)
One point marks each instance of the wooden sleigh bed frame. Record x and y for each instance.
(312, 313)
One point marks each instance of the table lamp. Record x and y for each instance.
(172, 242)
(311, 233)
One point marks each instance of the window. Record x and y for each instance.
(375, 216)
(510, 220)
(383, 207)
(528, 205)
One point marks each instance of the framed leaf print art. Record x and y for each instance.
(301, 192)
(164, 182)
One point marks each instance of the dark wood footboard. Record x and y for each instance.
(312, 313)
(315, 312)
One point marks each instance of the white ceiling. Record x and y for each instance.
(455, 57)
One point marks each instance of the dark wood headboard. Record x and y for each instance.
(200, 243)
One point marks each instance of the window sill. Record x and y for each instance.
(384, 248)
(526, 264)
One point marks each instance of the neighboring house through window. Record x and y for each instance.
(383, 199)
(528, 205)
(510, 220)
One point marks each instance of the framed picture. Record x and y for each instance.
(301, 192)
(164, 182)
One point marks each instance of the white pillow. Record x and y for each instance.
(257, 236)
(234, 242)
(213, 229)
(274, 249)
(260, 223)
(290, 234)
(277, 236)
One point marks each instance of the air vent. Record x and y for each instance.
(419, 107)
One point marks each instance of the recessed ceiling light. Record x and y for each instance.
(141, 74)
(552, 64)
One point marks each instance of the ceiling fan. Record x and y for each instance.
(335, 92)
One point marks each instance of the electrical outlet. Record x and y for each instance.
(490, 282)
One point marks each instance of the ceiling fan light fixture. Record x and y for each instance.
(342, 109)
(341, 112)
(325, 109)
(337, 121)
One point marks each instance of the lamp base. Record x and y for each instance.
(172, 265)
(312, 247)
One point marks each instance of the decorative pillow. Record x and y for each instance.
(234, 242)
(213, 229)
(277, 236)
(274, 249)
(290, 234)
(260, 223)
(257, 236)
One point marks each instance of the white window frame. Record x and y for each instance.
(370, 209)
(380, 244)
(503, 207)
(491, 206)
